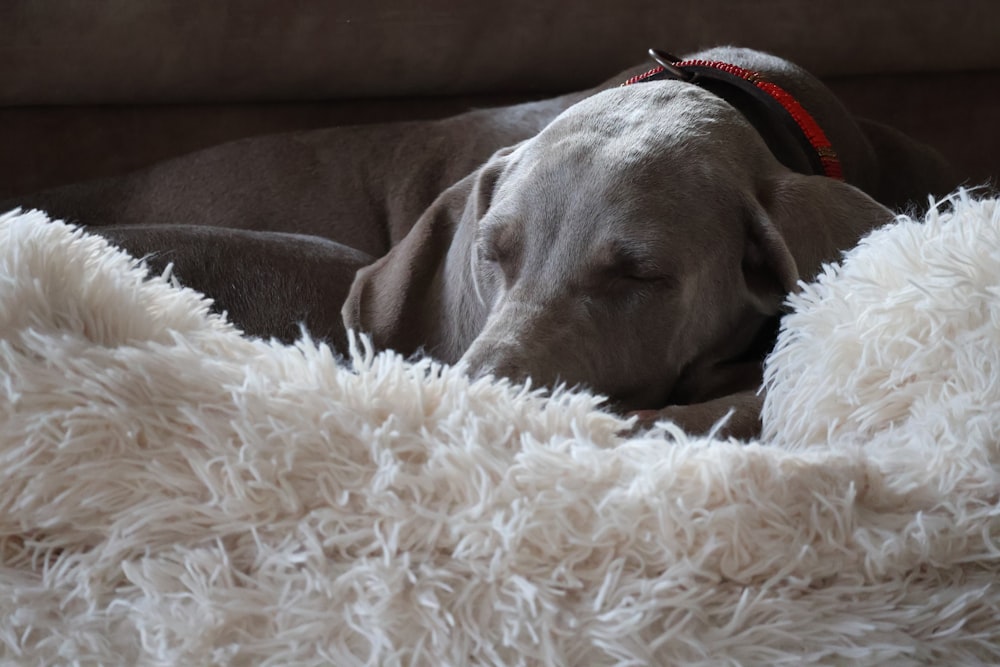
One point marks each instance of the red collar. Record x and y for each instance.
(792, 134)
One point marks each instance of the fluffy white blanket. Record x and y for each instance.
(172, 493)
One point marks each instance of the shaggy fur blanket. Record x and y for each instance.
(172, 493)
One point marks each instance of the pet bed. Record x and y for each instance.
(172, 493)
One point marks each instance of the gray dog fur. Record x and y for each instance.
(633, 240)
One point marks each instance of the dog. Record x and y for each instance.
(638, 240)
(641, 245)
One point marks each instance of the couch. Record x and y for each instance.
(91, 91)
(173, 492)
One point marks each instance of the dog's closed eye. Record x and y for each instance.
(630, 267)
(640, 276)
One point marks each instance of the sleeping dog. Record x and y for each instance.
(638, 240)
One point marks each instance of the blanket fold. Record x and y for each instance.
(172, 492)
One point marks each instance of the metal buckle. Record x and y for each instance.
(666, 61)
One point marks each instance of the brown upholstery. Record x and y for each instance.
(90, 89)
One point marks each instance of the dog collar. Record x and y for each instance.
(792, 134)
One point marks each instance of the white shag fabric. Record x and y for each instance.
(174, 494)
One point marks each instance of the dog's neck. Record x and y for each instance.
(792, 134)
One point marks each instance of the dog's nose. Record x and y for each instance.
(493, 359)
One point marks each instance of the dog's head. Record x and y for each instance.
(634, 246)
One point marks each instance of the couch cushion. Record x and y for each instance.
(123, 51)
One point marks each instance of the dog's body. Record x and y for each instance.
(361, 186)
(634, 240)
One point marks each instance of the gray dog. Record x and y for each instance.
(638, 240)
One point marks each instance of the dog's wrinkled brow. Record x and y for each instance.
(628, 258)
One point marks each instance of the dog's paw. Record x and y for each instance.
(734, 416)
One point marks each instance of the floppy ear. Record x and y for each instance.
(406, 301)
(769, 268)
(799, 223)
(908, 171)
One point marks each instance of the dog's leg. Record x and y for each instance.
(743, 410)
(268, 283)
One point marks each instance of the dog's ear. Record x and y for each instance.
(408, 299)
(798, 223)
(908, 171)
(768, 266)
